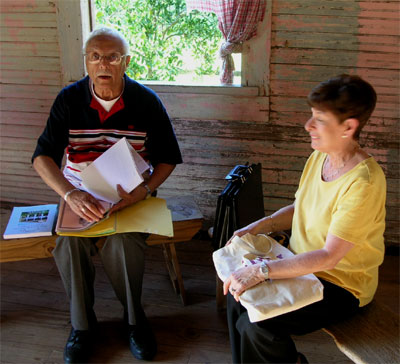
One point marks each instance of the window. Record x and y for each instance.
(166, 42)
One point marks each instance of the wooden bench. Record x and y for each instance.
(34, 248)
(370, 337)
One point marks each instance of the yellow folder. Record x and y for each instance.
(148, 216)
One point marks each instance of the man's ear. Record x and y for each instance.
(127, 60)
(351, 126)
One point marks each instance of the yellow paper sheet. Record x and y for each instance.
(147, 216)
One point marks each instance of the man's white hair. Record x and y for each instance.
(104, 31)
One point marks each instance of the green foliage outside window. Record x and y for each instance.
(161, 34)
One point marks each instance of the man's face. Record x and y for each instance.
(106, 76)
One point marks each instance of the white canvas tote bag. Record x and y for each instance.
(272, 297)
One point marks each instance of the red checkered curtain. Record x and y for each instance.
(237, 20)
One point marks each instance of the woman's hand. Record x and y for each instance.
(127, 199)
(242, 279)
(253, 228)
(85, 206)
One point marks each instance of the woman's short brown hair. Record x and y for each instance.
(346, 96)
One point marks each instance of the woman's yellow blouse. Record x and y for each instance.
(352, 208)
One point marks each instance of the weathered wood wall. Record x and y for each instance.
(310, 41)
(41, 51)
(30, 80)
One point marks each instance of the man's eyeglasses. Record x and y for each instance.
(114, 58)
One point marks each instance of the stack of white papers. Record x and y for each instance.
(120, 164)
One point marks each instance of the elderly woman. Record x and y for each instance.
(337, 223)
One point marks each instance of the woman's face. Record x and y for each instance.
(325, 131)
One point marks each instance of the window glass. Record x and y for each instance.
(166, 42)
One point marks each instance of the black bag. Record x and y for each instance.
(239, 204)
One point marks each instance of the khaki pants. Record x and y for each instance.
(123, 258)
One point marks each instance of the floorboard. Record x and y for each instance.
(35, 318)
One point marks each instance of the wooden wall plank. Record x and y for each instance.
(11, 156)
(317, 73)
(25, 20)
(34, 182)
(220, 107)
(35, 7)
(32, 77)
(332, 24)
(16, 144)
(343, 8)
(332, 57)
(333, 41)
(388, 105)
(331, 8)
(209, 90)
(22, 169)
(30, 91)
(301, 88)
(19, 194)
(51, 64)
(381, 10)
(29, 49)
(16, 34)
(23, 118)
(26, 105)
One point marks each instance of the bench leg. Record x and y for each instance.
(174, 270)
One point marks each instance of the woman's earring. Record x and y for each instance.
(344, 136)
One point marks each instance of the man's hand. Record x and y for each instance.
(242, 279)
(85, 205)
(159, 175)
(127, 199)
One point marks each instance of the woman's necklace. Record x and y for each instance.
(329, 173)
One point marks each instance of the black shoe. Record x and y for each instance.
(142, 342)
(78, 347)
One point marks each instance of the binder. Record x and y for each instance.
(239, 204)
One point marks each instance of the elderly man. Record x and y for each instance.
(87, 118)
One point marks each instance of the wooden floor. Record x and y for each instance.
(35, 316)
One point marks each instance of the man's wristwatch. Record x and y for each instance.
(264, 270)
(148, 190)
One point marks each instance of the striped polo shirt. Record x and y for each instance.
(79, 127)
